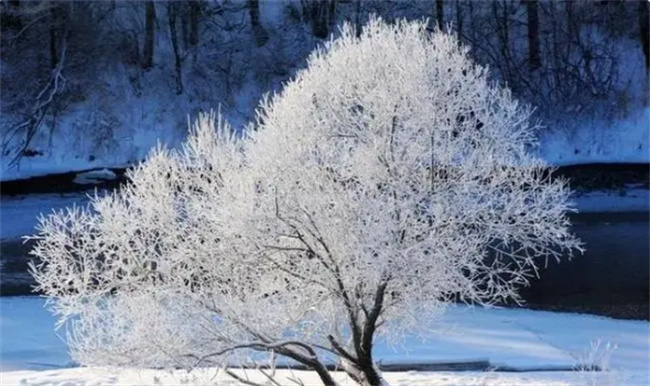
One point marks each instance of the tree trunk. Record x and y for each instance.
(195, 10)
(472, 28)
(357, 18)
(360, 366)
(171, 13)
(365, 375)
(572, 29)
(439, 13)
(644, 30)
(500, 15)
(319, 27)
(261, 36)
(185, 32)
(321, 14)
(534, 60)
(506, 28)
(54, 25)
(332, 12)
(11, 17)
(459, 20)
(150, 21)
(555, 52)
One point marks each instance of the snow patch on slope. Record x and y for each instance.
(626, 140)
(623, 141)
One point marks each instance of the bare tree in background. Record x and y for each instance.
(59, 17)
(150, 25)
(534, 59)
(321, 14)
(195, 11)
(357, 17)
(172, 15)
(644, 31)
(261, 36)
(11, 14)
(55, 35)
(440, 17)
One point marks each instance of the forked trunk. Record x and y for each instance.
(365, 375)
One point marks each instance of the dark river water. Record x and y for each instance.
(611, 277)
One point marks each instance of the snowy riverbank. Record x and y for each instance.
(109, 376)
(33, 353)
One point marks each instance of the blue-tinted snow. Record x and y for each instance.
(517, 338)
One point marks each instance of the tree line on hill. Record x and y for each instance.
(565, 57)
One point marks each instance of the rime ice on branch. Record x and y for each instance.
(388, 179)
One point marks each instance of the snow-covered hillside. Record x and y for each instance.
(119, 112)
(112, 112)
(622, 141)
(626, 140)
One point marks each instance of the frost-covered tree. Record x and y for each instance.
(388, 179)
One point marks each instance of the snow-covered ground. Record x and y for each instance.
(33, 353)
(109, 376)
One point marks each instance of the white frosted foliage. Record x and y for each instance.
(389, 178)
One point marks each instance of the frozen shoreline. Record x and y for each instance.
(109, 376)
(33, 353)
(515, 338)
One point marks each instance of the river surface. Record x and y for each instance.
(611, 277)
